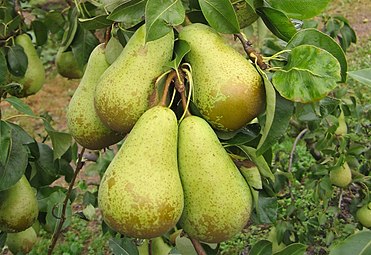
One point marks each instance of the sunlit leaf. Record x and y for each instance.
(220, 15)
(60, 141)
(20, 105)
(356, 244)
(300, 9)
(181, 48)
(263, 247)
(161, 17)
(97, 22)
(362, 76)
(309, 75)
(293, 249)
(316, 38)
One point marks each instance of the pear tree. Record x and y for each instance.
(189, 104)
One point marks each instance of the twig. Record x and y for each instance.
(150, 247)
(56, 234)
(107, 36)
(198, 247)
(169, 79)
(300, 135)
(179, 86)
(251, 52)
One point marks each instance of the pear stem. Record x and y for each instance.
(150, 247)
(251, 52)
(198, 247)
(179, 85)
(169, 79)
(56, 234)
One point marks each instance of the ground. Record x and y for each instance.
(57, 91)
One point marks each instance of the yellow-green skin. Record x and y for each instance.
(342, 128)
(228, 90)
(341, 176)
(364, 215)
(82, 120)
(67, 65)
(21, 241)
(123, 92)
(141, 194)
(217, 199)
(34, 78)
(18, 207)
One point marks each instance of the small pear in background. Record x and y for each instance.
(341, 176)
(217, 199)
(140, 194)
(82, 120)
(363, 215)
(123, 91)
(228, 90)
(18, 207)
(21, 241)
(67, 65)
(34, 78)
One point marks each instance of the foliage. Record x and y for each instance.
(293, 145)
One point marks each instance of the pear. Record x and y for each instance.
(342, 129)
(18, 207)
(228, 91)
(82, 120)
(217, 199)
(123, 91)
(363, 215)
(67, 65)
(34, 78)
(22, 241)
(140, 194)
(341, 176)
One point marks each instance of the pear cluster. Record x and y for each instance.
(18, 212)
(168, 173)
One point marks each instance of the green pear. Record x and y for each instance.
(217, 199)
(228, 91)
(140, 194)
(342, 129)
(34, 78)
(67, 65)
(18, 207)
(364, 215)
(22, 241)
(123, 91)
(82, 120)
(341, 176)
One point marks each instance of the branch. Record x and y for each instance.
(300, 135)
(254, 56)
(198, 247)
(169, 79)
(56, 234)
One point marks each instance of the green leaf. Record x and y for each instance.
(97, 22)
(259, 161)
(45, 170)
(263, 247)
(3, 68)
(267, 209)
(41, 31)
(161, 16)
(242, 136)
(245, 12)
(130, 13)
(300, 9)
(16, 163)
(252, 176)
(71, 30)
(362, 76)
(184, 245)
(54, 21)
(123, 246)
(278, 115)
(181, 48)
(60, 141)
(220, 15)
(5, 142)
(309, 75)
(316, 38)
(54, 208)
(82, 46)
(17, 61)
(113, 50)
(277, 22)
(356, 244)
(20, 105)
(293, 249)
